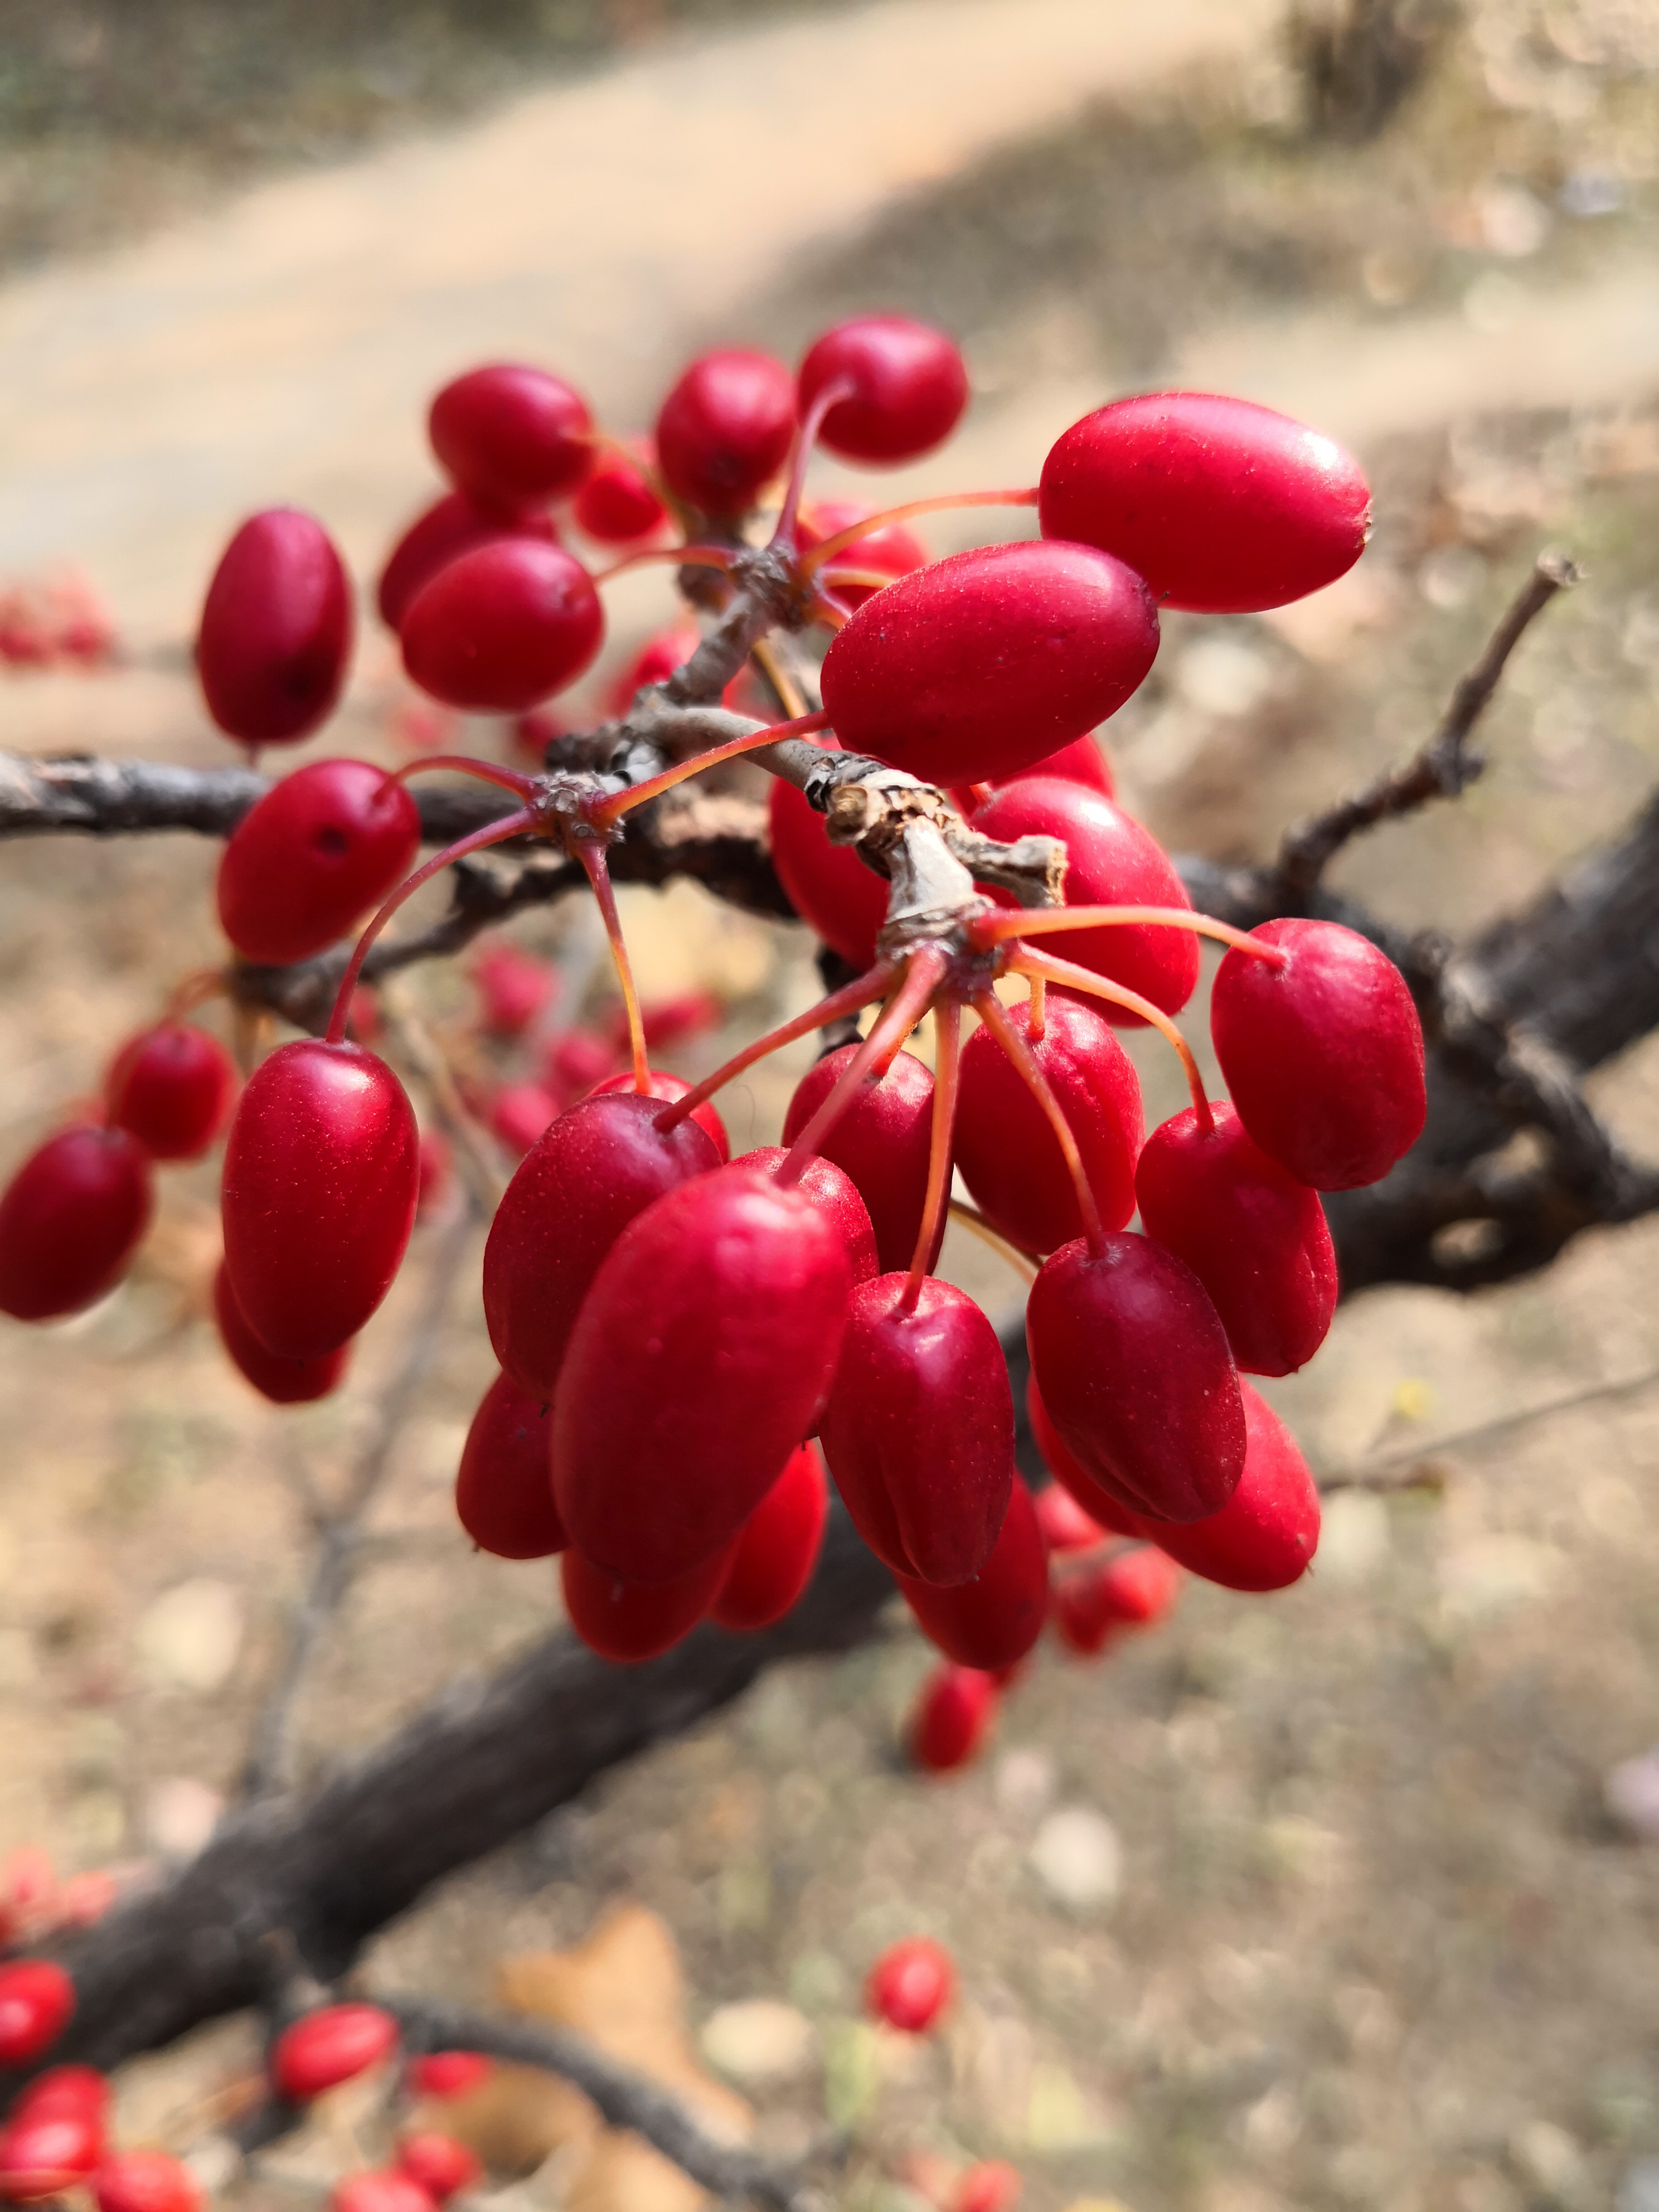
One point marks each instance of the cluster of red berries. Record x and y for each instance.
(61, 624)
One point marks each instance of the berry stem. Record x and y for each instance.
(1036, 1013)
(991, 1013)
(195, 990)
(608, 811)
(839, 388)
(898, 1018)
(764, 655)
(849, 999)
(1066, 973)
(683, 556)
(988, 929)
(592, 856)
(971, 1218)
(507, 779)
(816, 555)
(947, 1062)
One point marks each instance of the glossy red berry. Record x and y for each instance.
(890, 551)
(668, 1088)
(881, 1142)
(285, 1382)
(80, 2089)
(1264, 1537)
(908, 387)
(1066, 1526)
(171, 1087)
(919, 1431)
(503, 627)
(145, 2181)
(521, 1113)
(439, 2163)
(577, 1190)
(952, 1715)
(980, 665)
(43, 2153)
(384, 2189)
(514, 988)
(1098, 1507)
(911, 1985)
(71, 1220)
(513, 435)
(308, 859)
(1323, 1055)
(331, 2046)
(618, 504)
(1254, 1237)
(1133, 1367)
(725, 429)
(836, 1196)
(840, 899)
(1081, 762)
(1111, 861)
(1223, 505)
(774, 1556)
(995, 1620)
(1134, 1588)
(449, 2072)
(1006, 1148)
(699, 1359)
(321, 1172)
(630, 1622)
(440, 533)
(504, 1487)
(276, 630)
(37, 2002)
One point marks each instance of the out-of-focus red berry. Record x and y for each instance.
(515, 988)
(951, 1717)
(911, 1985)
(618, 505)
(383, 2190)
(992, 2186)
(37, 1999)
(449, 2072)
(519, 1112)
(145, 2181)
(329, 2046)
(438, 2164)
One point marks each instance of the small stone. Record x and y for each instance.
(759, 2040)
(1077, 1858)
(1630, 1791)
(189, 1636)
(180, 1814)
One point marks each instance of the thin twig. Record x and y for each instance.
(1410, 1466)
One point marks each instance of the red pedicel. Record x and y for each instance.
(1264, 1537)
(575, 1191)
(439, 2164)
(951, 1717)
(71, 1220)
(617, 506)
(1223, 505)
(503, 627)
(1132, 1363)
(908, 387)
(911, 1985)
(700, 1358)
(1065, 1526)
(331, 2046)
(504, 1486)
(37, 2000)
(276, 630)
(1111, 861)
(1323, 1055)
(1254, 1237)
(520, 1113)
(321, 1172)
(835, 1195)
(449, 2072)
(982, 663)
(146, 2181)
(779, 1547)
(284, 1382)
(668, 1088)
(1006, 1148)
(513, 435)
(829, 887)
(881, 1142)
(440, 533)
(171, 1087)
(995, 1620)
(892, 551)
(919, 1431)
(630, 1622)
(310, 857)
(1131, 1588)
(726, 429)
(383, 2190)
(1100, 1508)
(514, 987)
(44, 2154)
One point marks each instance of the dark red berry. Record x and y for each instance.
(908, 387)
(952, 1715)
(513, 988)
(881, 1142)
(308, 859)
(503, 627)
(1065, 1526)
(843, 901)
(617, 504)
(37, 2000)
(995, 1620)
(890, 551)
(440, 533)
(504, 1487)
(331, 2046)
(1006, 1148)
(774, 1556)
(321, 1172)
(980, 665)
(630, 1622)
(1081, 762)
(1264, 1537)
(835, 1195)
(726, 429)
(513, 435)
(520, 1113)
(1132, 1587)
(1133, 1366)
(145, 2181)
(449, 2072)
(383, 2190)
(1323, 1055)
(171, 1087)
(668, 1088)
(1254, 1235)
(284, 1382)
(71, 1220)
(911, 1985)
(1223, 505)
(276, 630)
(1099, 1506)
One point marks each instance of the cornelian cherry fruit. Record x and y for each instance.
(835, 1195)
(995, 1620)
(65, 2089)
(773, 1558)
(449, 2072)
(521, 1113)
(890, 550)
(37, 2000)
(617, 504)
(145, 2181)
(440, 533)
(439, 2163)
(382, 2190)
(512, 434)
(1081, 762)
(1132, 1587)
(911, 1985)
(630, 1622)
(654, 663)
(1065, 1526)
(332, 2045)
(514, 988)
(276, 630)
(725, 429)
(171, 1087)
(840, 899)
(953, 1714)
(908, 387)
(499, 628)
(1099, 1508)
(504, 1487)
(1264, 1537)
(44, 2154)
(285, 1382)
(71, 1220)
(310, 857)
(668, 1088)
(881, 1142)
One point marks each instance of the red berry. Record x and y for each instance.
(575, 1192)
(383, 2190)
(1101, 1509)
(449, 2072)
(725, 429)
(575, 1062)
(828, 886)
(1065, 1526)
(1081, 762)
(1223, 505)
(503, 627)
(1323, 1055)
(630, 1622)
(833, 1192)
(321, 1172)
(993, 2186)
(668, 1088)
(440, 533)
(331, 2046)
(439, 2164)
(908, 387)
(43, 2153)
(437, 1174)
(1133, 1589)
(308, 859)
(996, 1618)
(171, 1087)
(1111, 861)
(520, 1114)
(980, 665)
(1134, 1370)
(776, 1554)
(892, 551)
(78, 2089)
(911, 1985)
(504, 1487)
(617, 506)
(654, 663)
(516, 436)
(515, 988)
(37, 2000)
(699, 1359)
(276, 629)
(1006, 1148)
(145, 2181)
(71, 1220)
(881, 1142)
(285, 1382)
(919, 1431)
(1255, 1237)
(1266, 1535)
(951, 1717)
